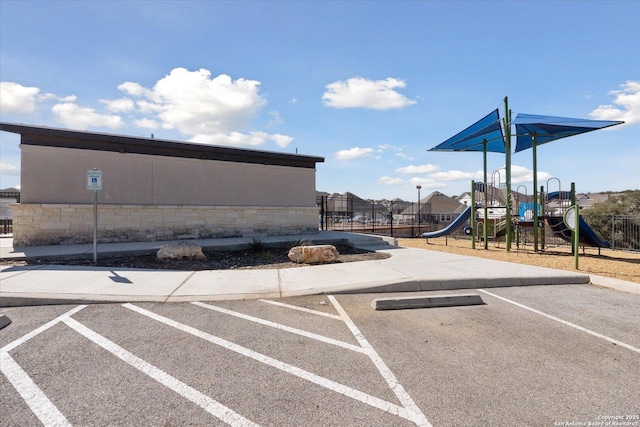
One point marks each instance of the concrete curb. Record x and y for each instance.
(4, 321)
(401, 303)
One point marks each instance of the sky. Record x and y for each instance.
(369, 86)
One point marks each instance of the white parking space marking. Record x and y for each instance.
(49, 414)
(564, 322)
(285, 367)
(283, 327)
(306, 310)
(34, 397)
(37, 401)
(41, 329)
(416, 414)
(213, 407)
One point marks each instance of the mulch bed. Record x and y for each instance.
(215, 260)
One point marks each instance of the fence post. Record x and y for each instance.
(613, 232)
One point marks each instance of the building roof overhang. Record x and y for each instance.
(81, 140)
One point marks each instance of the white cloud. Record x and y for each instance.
(404, 156)
(426, 183)
(276, 119)
(252, 139)
(70, 98)
(133, 89)
(387, 180)
(15, 98)
(215, 110)
(147, 123)
(625, 106)
(281, 140)
(363, 93)
(9, 169)
(122, 105)
(456, 175)
(77, 117)
(354, 153)
(520, 175)
(195, 104)
(412, 170)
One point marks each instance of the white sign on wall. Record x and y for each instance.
(94, 179)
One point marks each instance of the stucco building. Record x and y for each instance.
(156, 189)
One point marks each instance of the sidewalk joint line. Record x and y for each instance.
(186, 279)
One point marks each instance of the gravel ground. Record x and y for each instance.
(616, 264)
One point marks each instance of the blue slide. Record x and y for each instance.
(457, 223)
(566, 195)
(588, 236)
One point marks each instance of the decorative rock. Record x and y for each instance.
(180, 251)
(318, 254)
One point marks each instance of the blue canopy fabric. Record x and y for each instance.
(549, 128)
(472, 138)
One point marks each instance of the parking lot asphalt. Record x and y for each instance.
(529, 356)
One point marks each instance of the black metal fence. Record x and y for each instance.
(6, 226)
(622, 231)
(406, 219)
(393, 218)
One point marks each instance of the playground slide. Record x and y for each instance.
(588, 236)
(559, 195)
(457, 223)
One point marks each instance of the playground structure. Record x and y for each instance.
(491, 134)
(551, 211)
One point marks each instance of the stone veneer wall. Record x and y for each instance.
(52, 224)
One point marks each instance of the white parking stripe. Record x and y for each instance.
(34, 397)
(39, 403)
(416, 414)
(205, 402)
(285, 367)
(283, 327)
(564, 322)
(41, 329)
(306, 310)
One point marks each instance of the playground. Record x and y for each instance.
(516, 216)
(622, 265)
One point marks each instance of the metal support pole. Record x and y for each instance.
(418, 187)
(473, 215)
(95, 226)
(576, 235)
(535, 193)
(543, 210)
(485, 222)
(507, 131)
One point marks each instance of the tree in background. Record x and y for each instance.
(618, 219)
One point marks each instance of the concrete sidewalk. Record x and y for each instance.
(406, 270)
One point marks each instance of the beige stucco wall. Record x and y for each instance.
(51, 224)
(59, 175)
(151, 197)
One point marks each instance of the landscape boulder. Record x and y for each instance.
(318, 254)
(180, 251)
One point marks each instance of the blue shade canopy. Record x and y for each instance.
(549, 128)
(471, 139)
